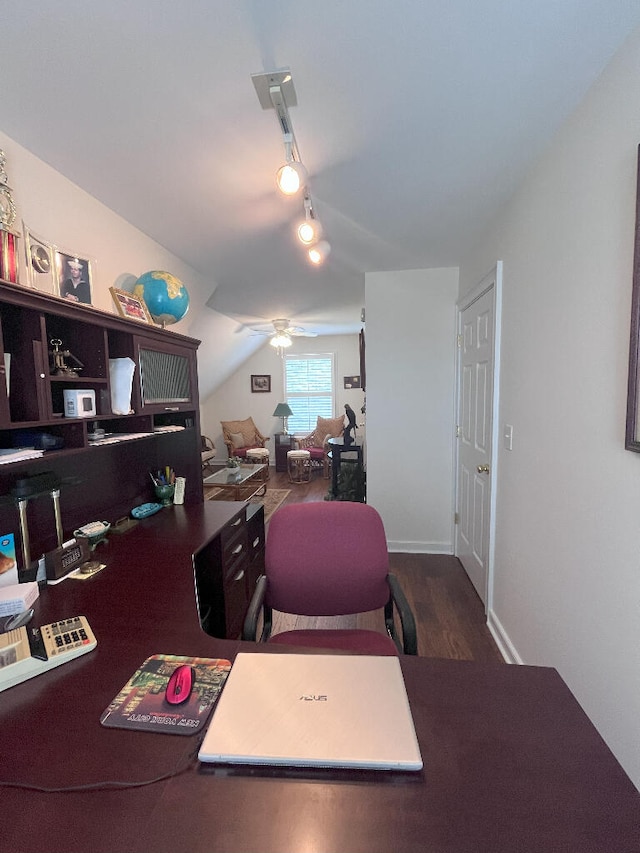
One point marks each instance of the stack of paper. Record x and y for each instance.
(114, 438)
(18, 454)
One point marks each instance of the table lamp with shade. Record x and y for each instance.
(283, 411)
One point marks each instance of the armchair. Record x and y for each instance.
(207, 453)
(316, 442)
(240, 436)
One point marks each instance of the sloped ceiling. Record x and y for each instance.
(416, 120)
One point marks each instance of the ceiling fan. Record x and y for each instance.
(282, 333)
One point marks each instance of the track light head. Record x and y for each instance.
(309, 231)
(291, 177)
(319, 252)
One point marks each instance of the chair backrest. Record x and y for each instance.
(326, 558)
(246, 428)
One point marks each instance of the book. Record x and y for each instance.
(141, 703)
(8, 564)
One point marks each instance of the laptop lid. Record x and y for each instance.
(313, 711)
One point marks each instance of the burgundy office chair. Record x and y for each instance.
(330, 559)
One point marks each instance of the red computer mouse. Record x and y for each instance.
(180, 684)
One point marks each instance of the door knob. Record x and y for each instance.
(482, 469)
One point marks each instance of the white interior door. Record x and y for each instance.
(476, 367)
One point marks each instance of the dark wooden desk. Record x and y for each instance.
(511, 761)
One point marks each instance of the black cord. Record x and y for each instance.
(101, 786)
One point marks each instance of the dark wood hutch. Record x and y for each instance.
(99, 482)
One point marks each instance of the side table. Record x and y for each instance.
(284, 443)
(337, 448)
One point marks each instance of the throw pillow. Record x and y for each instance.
(331, 427)
(237, 439)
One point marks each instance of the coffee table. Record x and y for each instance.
(238, 487)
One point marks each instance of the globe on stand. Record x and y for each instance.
(165, 296)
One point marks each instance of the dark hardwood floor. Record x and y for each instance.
(450, 616)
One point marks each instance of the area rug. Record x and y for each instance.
(271, 500)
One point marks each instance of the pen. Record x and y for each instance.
(153, 479)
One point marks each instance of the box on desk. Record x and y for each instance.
(18, 597)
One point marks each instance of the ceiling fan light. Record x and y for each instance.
(280, 340)
(291, 177)
(319, 252)
(309, 231)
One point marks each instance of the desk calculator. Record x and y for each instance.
(30, 651)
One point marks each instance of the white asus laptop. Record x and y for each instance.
(313, 711)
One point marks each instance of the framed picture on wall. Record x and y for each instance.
(260, 383)
(352, 382)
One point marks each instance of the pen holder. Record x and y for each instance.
(165, 494)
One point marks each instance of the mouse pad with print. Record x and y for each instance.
(148, 701)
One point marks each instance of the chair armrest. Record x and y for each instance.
(230, 450)
(409, 634)
(304, 441)
(250, 626)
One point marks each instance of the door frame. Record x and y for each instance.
(493, 280)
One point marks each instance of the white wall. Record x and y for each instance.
(410, 345)
(64, 215)
(567, 568)
(233, 400)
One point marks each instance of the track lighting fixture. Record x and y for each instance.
(292, 176)
(309, 230)
(275, 91)
(319, 252)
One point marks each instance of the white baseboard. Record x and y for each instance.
(506, 647)
(419, 547)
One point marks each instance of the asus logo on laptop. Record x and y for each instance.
(311, 698)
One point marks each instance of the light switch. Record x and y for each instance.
(508, 437)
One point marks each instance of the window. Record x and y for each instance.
(308, 389)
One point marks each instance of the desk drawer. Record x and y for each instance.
(231, 530)
(235, 594)
(234, 547)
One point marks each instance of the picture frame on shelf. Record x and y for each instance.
(260, 383)
(131, 306)
(73, 276)
(39, 260)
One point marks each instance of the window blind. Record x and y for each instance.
(309, 390)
